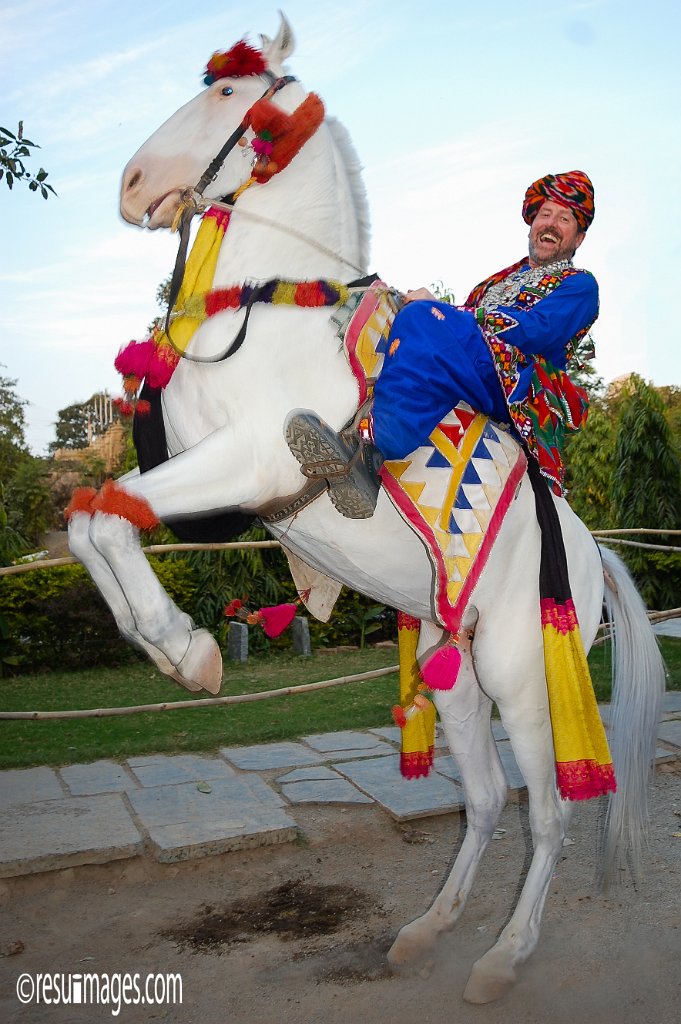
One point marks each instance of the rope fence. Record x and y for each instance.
(207, 702)
(613, 536)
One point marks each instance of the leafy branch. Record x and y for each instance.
(14, 149)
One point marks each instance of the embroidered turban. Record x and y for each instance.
(572, 189)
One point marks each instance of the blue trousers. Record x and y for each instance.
(436, 358)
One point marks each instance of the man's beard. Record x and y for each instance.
(563, 252)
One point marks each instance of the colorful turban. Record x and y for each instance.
(572, 189)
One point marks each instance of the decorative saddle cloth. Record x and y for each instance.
(455, 489)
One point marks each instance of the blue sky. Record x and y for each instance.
(454, 109)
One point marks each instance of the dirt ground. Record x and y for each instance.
(298, 932)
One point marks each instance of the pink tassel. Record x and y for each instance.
(274, 620)
(134, 358)
(442, 668)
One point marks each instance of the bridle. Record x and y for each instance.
(192, 198)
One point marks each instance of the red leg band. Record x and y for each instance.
(118, 502)
(81, 501)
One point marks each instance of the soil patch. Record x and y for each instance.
(293, 910)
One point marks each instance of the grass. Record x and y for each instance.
(53, 742)
(359, 705)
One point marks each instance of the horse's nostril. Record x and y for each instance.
(134, 180)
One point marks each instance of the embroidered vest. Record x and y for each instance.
(553, 404)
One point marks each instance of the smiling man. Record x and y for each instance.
(505, 352)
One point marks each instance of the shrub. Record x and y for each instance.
(55, 618)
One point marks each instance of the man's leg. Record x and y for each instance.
(436, 358)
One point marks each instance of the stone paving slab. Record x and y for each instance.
(183, 823)
(315, 774)
(388, 732)
(44, 836)
(271, 755)
(324, 791)
(404, 799)
(97, 777)
(670, 732)
(446, 765)
(349, 740)
(28, 785)
(671, 702)
(163, 770)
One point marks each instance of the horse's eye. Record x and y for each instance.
(227, 91)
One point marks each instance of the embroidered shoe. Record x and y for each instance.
(348, 467)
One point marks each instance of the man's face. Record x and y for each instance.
(554, 234)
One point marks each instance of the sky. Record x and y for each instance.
(454, 109)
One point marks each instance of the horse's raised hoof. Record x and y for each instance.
(489, 981)
(414, 941)
(201, 665)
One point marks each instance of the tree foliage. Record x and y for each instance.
(14, 150)
(646, 488)
(590, 467)
(13, 448)
(71, 428)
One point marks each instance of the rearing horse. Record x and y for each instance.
(224, 425)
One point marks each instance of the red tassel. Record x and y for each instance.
(275, 619)
(81, 501)
(442, 668)
(399, 717)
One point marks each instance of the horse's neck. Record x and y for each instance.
(318, 229)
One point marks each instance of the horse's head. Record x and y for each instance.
(176, 155)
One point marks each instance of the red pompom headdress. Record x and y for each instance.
(238, 62)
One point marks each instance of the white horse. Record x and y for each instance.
(225, 434)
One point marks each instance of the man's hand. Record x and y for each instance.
(420, 295)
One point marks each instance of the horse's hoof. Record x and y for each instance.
(201, 665)
(486, 983)
(410, 947)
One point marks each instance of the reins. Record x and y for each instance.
(189, 205)
(192, 203)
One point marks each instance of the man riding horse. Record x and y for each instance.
(505, 352)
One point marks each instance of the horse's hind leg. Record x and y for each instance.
(528, 726)
(465, 715)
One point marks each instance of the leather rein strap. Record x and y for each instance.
(190, 197)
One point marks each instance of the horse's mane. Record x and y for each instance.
(353, 168)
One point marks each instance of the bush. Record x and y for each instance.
(55, 618)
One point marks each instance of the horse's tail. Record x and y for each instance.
(638, 676)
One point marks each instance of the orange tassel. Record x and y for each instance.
(81, 501)
(116, 501)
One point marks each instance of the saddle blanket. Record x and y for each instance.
(455, 489)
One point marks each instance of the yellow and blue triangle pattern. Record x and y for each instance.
(455, 489)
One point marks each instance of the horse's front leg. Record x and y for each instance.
(104, 579)
(465, 715)
(201, 480)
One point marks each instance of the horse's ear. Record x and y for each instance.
(275, 51)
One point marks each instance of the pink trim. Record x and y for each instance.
(359, 319)
(584, 780)
(449, 614)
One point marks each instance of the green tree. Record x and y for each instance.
(13, 448)
(647, 488)
(71, 428)
(590, 468)
(29, 501)
(14, 149)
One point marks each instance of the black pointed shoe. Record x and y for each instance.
(347, 465)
